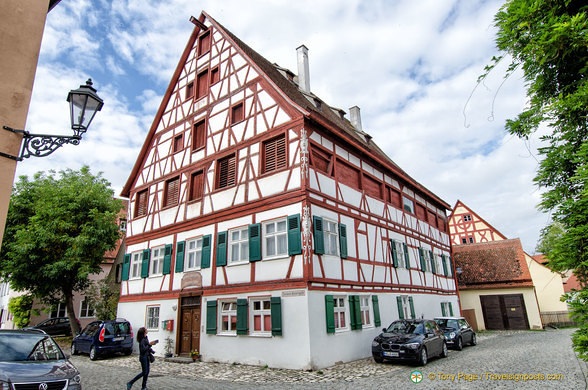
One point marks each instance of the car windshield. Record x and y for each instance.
(23, 347)
(447, 323)
(405, 327)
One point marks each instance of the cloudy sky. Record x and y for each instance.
(411, 66)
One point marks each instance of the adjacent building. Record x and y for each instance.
(262, 220)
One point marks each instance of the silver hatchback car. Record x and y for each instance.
(31, 359)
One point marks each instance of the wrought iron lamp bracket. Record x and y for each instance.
(39, 145)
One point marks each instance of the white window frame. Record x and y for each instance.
(242, 245)
(157, 255)
(340, 305)
(448, 265)
(467, 218)
(406, 306)
(136, 261)
(86, 311)
(60, 305)
(365, 306)
(447, 305)
(264, 310)
(400, 254)
(275, 236)
(408, 202)
(193, 253)
(230, 312)
(331, 237)
(152, 317)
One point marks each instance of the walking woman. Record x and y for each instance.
(145, 351)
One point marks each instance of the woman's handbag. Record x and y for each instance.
(151, 358)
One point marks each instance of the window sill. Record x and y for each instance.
(227, 334)
(236, 263)
(275, 257)
(269, 173)
(261, 335)
(197, 149)
(169, 206)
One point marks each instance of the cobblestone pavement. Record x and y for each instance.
(532, 353)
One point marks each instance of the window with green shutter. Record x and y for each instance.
(180, 247)
(394, 253)
(422, 258)
(443, 312)
(376, 306)
(400, 307)
(294, 235)
(355, 312)
(433, 265)
(145, 263)
(406, 257)
(241, 316)
(126, 267)
(410, 302)
(343, 240)
(167, 259)
(211, 307)
(205, 262)
(330, 313)
(444, 262)
(319, 241)
(255, 242)
(276, 312)
(450, 309)
(221, 249)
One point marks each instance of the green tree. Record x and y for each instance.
(57, 232)
(20, 307)
(103, 297)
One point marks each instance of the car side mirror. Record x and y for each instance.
(384, 330)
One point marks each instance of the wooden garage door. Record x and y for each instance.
(504, 312)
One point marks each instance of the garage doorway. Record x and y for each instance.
(503, 312)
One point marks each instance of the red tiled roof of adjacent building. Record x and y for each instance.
(496, 264)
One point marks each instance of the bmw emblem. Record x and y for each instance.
(43, 386)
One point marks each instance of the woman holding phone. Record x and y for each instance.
(145, 352)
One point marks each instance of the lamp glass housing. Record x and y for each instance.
(83, 104)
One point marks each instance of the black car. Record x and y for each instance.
(410, 340)
(457, 332)
(104, 338)
(54, 326)
(31, 359)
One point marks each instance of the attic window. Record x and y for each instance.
(237, 113)
(202, 84)
(467, 218)
(214, 75)
(178, 143)
(204, 43)
(189, 90)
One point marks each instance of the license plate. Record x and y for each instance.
(390, 354)
(118, 339)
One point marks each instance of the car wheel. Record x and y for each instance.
(444, 352)
(459, 345)
(474, 341)
(423, 357)
(93, 354)
(74, 350)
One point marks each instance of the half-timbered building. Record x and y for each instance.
(265, 227)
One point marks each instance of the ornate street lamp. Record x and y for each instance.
(83, 105)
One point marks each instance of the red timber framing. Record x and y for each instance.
(467, 227)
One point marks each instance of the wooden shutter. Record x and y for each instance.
(451, 266)
(214, 75)
(372, 187)
(444, 261)
(211, 317)
(394, 253)
(443, 312)
(126, 267)
(205, 263)
(294, 237)
(276, 313)
(255, 242)
(400, 308)
(190, 90)
(319, 240)
(355, 312)
(433, 265)
(167, 259)
(376, 306)
(241, 316)
(274, 154)
(202, 84)
(197, 185)
(422, 258)
(320, 160)
(226, 172)
(141, 203)
(204, 43)
(330, 313)
(180, 247)
(172, 192)
(221, 249)
(237, 113)
(410, 302)
(343, 240)
(198, 134)
(348, 175)
(406, 258)
(450, 309)
(145, 263)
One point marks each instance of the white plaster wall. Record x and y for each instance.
(548, 286)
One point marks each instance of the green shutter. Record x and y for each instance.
(205, 263)
(319, 240)
(355, 312)
(376, 305)
(394, 253)
(180, 247)
(126, 267)
(145, 263)
(330, 313)
(400, 309)
(444, 260)
(343, 240)
(406, 258)
(411, 307)
(221, 249)
(167, 259)
(294, 236)
(276, 307)
(211, 317)
(443, 312)
(422, 258)
(451, 266)
(433, 265)
(255, 242)
(450, 309)
(241, 316)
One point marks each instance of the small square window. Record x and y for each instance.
(190, 90)
(471, 239)
(226, 172)
(467, 218)
(214, 75)
(171, 194)
(152, 322)
(198, 134)
(141, 203)
(178, 143)
(464, 240)
(197, 185)
(237, 113)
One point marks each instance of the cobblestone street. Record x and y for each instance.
(515, 352)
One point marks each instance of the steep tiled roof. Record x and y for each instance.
(496, 264)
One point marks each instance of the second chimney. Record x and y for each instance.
(355, 117)
(303, 69)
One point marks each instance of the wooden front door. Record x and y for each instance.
(504, 312)
(190, 326)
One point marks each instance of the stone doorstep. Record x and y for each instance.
(179, 359)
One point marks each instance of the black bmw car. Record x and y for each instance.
(457, 331)
(410, 340)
